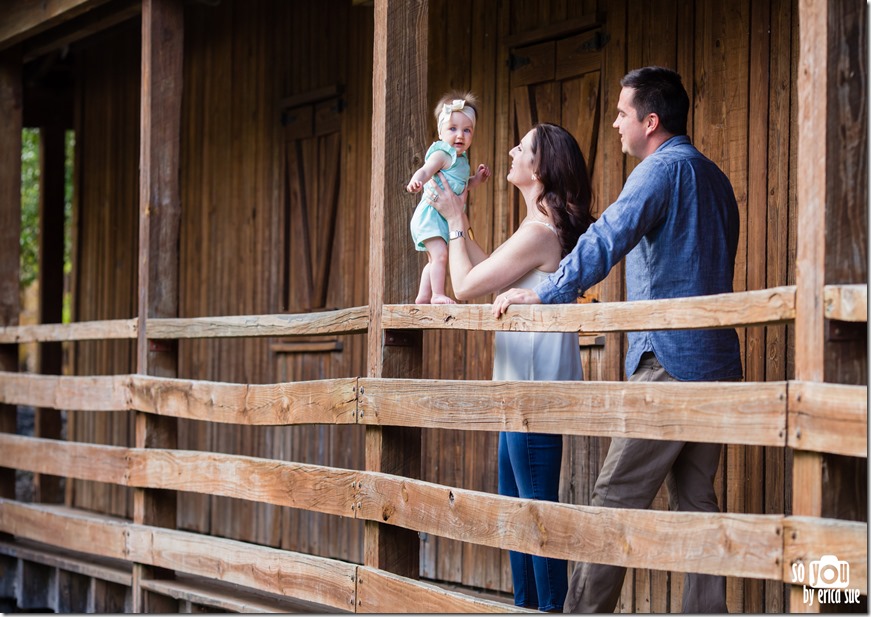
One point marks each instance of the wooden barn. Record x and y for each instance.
(246, 411)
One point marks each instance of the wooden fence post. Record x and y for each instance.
(159, 219)
(51, 285)
(832, 221)
(398, 119)
(10, 228)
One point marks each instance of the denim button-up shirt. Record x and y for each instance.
(676, 222)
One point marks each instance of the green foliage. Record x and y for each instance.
(29, 242)
(29, 207)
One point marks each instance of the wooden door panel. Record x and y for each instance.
(298, 258)
(313, 156)
(578, 55)
(581, 113)
(532, 64)
(327, 206)
(546, 100)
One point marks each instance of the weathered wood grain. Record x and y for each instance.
(807, 539)
(846, 302)
(766, 306)
(828, 418)
(325, 401)
(383, 592)
(75, 530)
(297, 485)
(316, 579)
(231, 598)
(342, 321)
(729, 544)
(727, 412)
(79, 331)
(98, 393)
(61, 458)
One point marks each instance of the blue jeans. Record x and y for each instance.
(529, 467)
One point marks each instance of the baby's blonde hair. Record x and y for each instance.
(450, 97)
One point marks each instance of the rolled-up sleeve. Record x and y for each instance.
(640, 207)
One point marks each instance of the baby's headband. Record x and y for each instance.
(456, 105)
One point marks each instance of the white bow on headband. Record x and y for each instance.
(455, 105)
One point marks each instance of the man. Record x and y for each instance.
(676, 222)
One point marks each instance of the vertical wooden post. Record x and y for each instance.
(810, 249)
(159, 219)
(398, 119)
(51, 285)
(832, 211)
(10, 229)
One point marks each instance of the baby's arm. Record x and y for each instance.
(480, 176)
(436, 162)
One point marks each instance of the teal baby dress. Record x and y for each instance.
(426, 222)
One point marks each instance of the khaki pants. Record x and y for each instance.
(633, 471)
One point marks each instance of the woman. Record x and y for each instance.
(549, 170)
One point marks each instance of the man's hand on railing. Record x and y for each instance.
(513, 296)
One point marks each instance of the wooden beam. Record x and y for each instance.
(743, 413)
(10, 228)
(324, 581)
(830, 418)
(399, 87)
(847, 302)
(99, 393)
(102, 18)
(78, 331)
(70, 459)
(325, 401)
(341, 321)
(159, 222)
(230, 598)
(746, 545)
(23, 18)
(748, 308)
(382, 592)
(807, 539)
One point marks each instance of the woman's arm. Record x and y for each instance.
(472, 277)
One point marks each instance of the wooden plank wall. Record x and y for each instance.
(107, 210)
(241, 60)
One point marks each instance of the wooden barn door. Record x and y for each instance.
(557, 81)
(312, 159)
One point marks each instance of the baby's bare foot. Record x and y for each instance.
(441, 299)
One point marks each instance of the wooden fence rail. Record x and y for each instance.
(752, 546)
(821, 417)
(802, 415)
(748, 308)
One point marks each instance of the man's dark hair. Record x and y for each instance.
(660, 91)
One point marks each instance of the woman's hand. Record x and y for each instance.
(513, 296)
(449, 204)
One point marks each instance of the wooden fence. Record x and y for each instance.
(805, 416)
